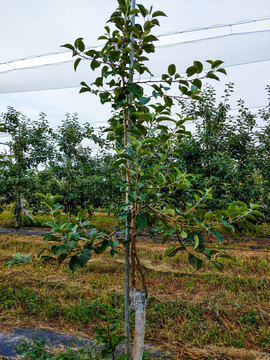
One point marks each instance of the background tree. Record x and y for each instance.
(55, 162)
(263, 155)
(223, 150)
(70, 157)
(30, 146)
(85, 180)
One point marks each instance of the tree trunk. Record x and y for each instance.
(68, 212)
(17, 221)
(17, 209)
(138, 304)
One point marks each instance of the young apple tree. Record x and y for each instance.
(147, 149)
(142, 109)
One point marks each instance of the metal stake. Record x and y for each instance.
(127, 233)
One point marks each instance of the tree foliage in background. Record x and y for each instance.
(72, 161)
(263, 155)
(30, 146)
(41, 160)
(226, 152)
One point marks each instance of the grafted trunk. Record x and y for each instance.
(138, 304)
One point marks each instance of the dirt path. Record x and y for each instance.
(58, 340)
(53, 339)
(23, 231)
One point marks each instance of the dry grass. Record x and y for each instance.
(224, 314)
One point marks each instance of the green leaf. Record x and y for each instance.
(217, 235)
(114, 244)
(68, 46)
(218, 265)
(126, 156)
(171, 69)
(51, 237)
(155, 22)
(134, 11)
(150, 141)
(158, 13)
(195, 262)
(199, 66)
(94, 64)
(170, 231)
(91, 53)
(99, 81)
(216, 63)
(148, 25)
(120, 162)
(47, 258)
(191, 71)
(143, 116)
(226, 256)
(164, 238)
(131, 198)
(197, 241)
(52, 225)
(103, 37)
(211, 75)
(257, 213)
(144, 100)
(143, 10)
(79, 44)
(102, 247)
(172, 250)
(84, 257)
(194, 89)
(227, 224)
(141, 221)
(74, 263)
(168, 101)
(76, 63)
(148, 47)
(62, 257)
(197, 83)
(57, 250)
(183, 235)
(223, 71)
(113, 252)
(134, 89)
(20, 258)
(170, 212)
(150, 38)
(83, 90)
(164, 118)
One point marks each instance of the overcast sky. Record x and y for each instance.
(32, 28)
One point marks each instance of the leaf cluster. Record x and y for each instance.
(75, 240)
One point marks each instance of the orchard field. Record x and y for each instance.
(163, 234)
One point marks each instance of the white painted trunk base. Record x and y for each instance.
(138, 304)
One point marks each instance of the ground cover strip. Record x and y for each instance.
(98, 219)
(208, 308)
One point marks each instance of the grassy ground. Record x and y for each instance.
(217, 313)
